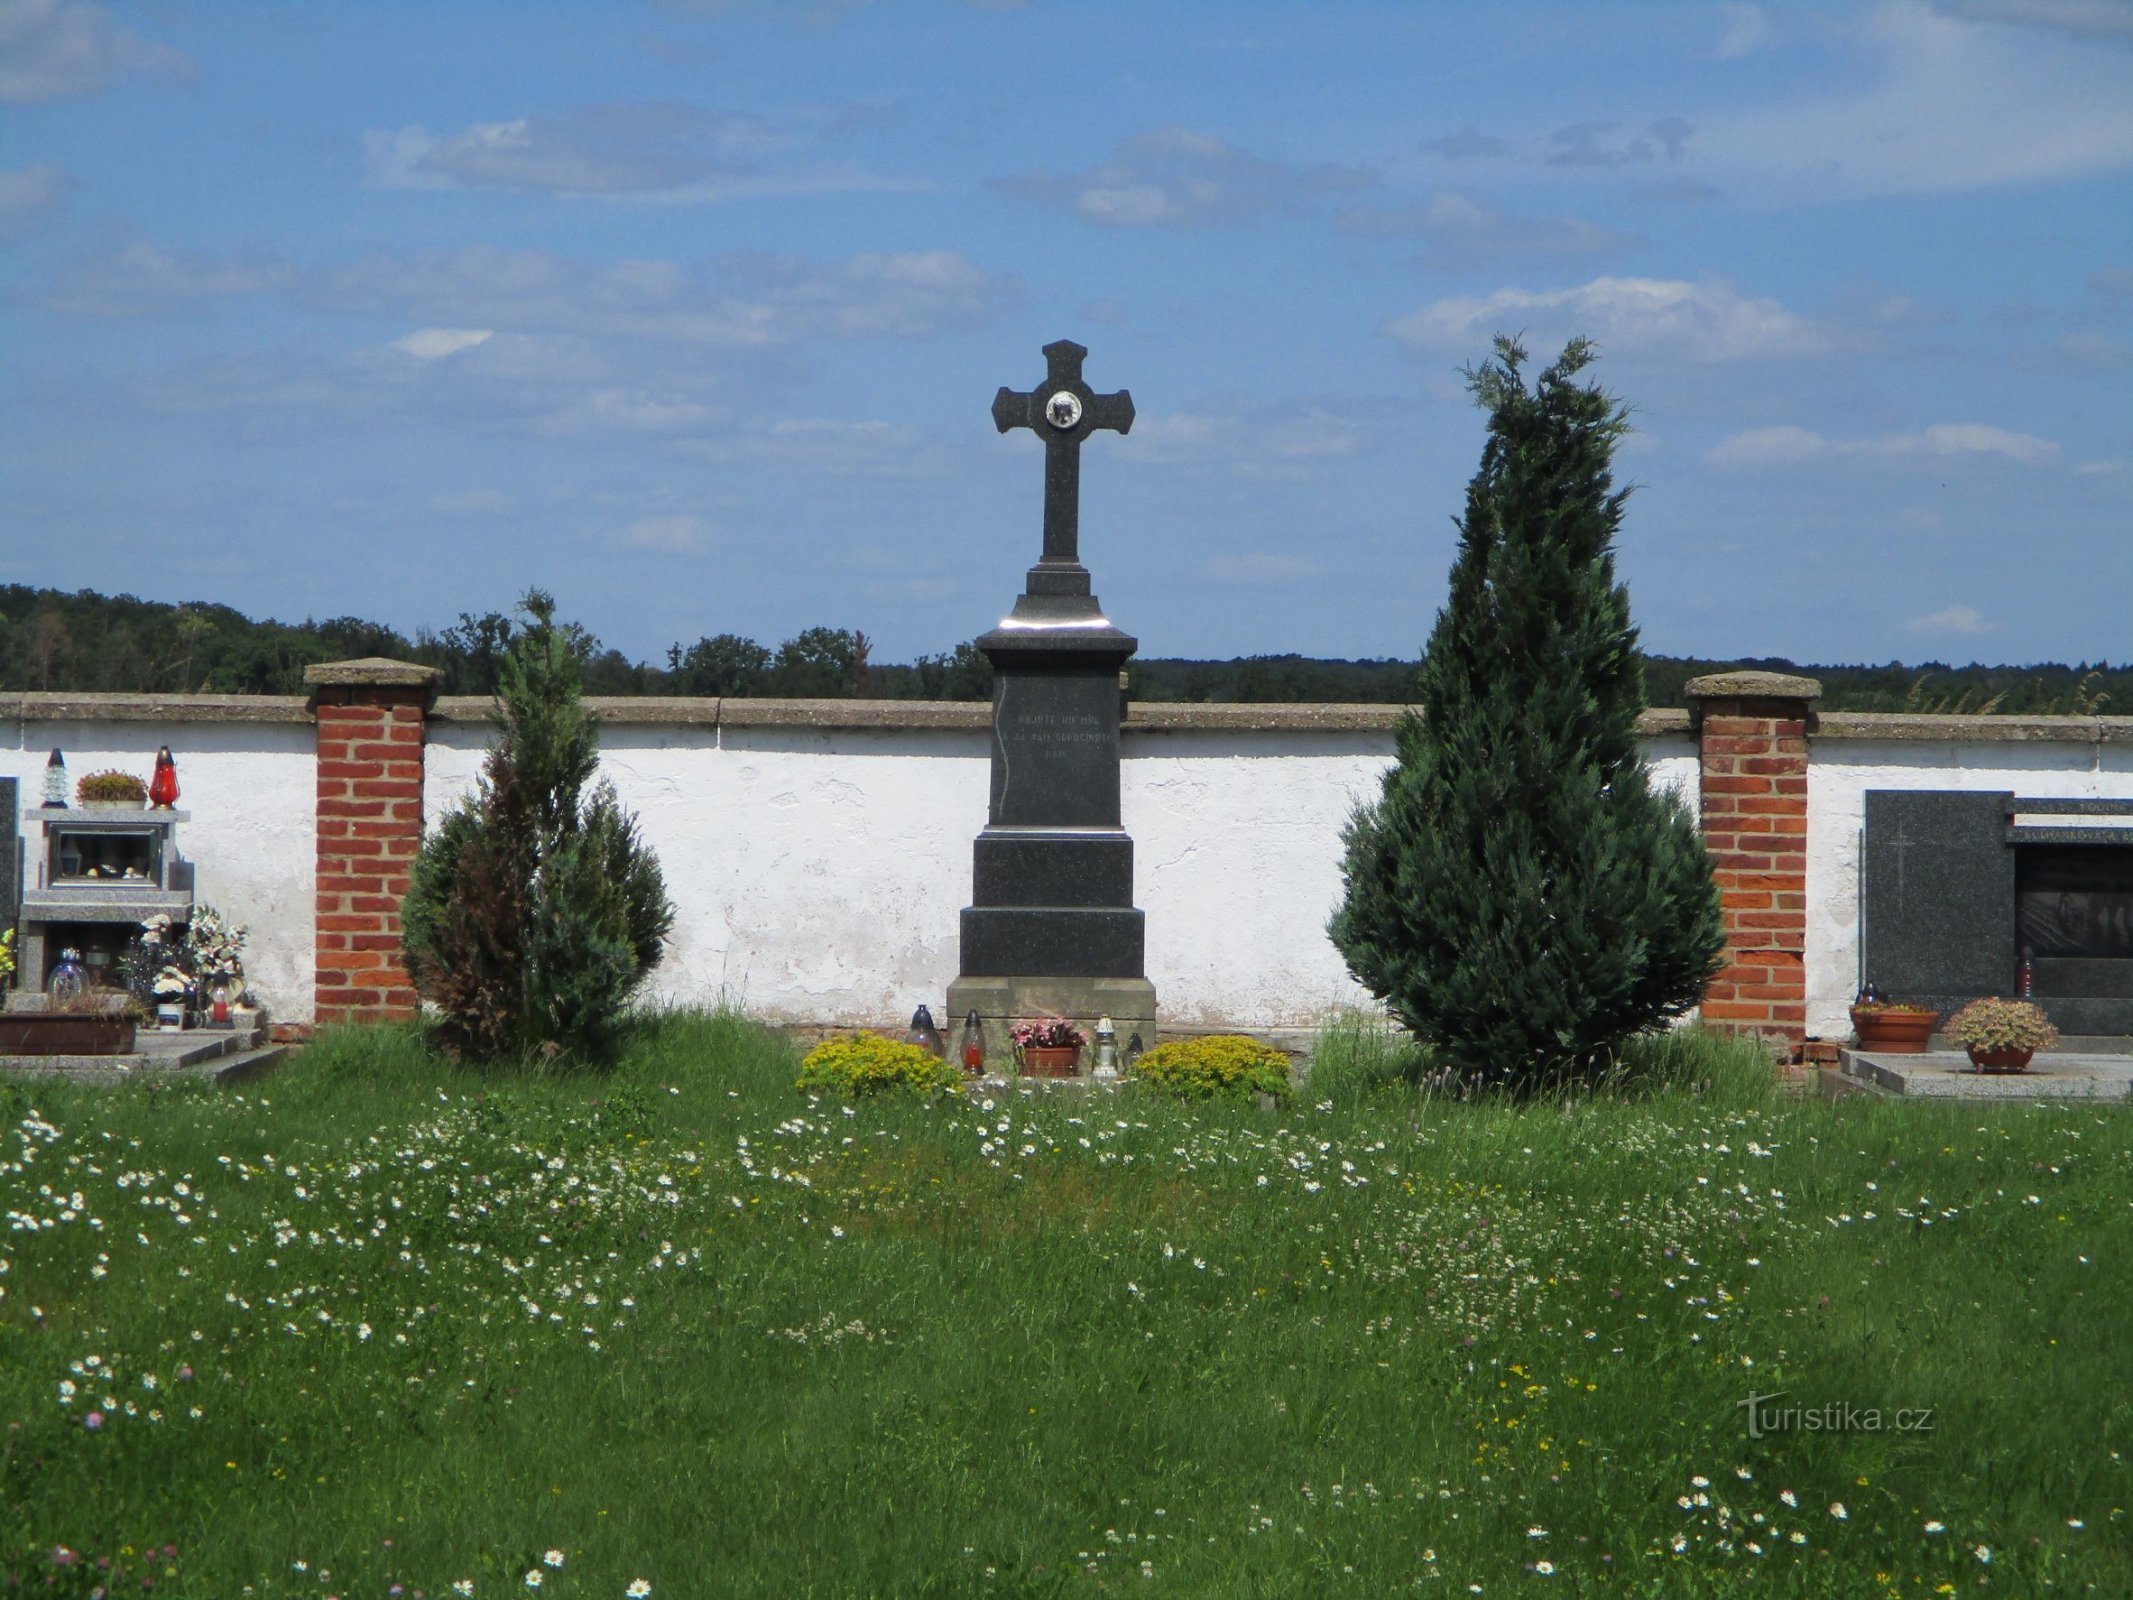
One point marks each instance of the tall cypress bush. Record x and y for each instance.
(534, 913)
(1519, 895)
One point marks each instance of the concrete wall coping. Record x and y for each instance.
(62, 706)
(1972, 728)
(1752, 686)
(372, 672)
(1141, 717)
(28, 706)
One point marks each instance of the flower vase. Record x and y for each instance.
(1050, 1061)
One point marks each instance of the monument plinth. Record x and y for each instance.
(1052, 928)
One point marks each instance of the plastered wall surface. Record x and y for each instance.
(818, 875)
(251, 790)
(1841, 771)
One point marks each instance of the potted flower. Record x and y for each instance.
(2001, 1035)
(1892, 1028)
(1049, 1047)
(112, 788)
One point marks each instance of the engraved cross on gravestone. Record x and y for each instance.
(1062, 411)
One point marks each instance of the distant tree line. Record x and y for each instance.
(87, 642)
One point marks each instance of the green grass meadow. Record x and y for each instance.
(378, 1325)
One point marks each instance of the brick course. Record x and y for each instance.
(371, 718)
(1752, 749)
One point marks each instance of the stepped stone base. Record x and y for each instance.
(1002, 1002)
(225, 1055)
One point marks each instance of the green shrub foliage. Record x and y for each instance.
(866, 1063)
(1519, 895)
(534, 913)
(1218, 1065)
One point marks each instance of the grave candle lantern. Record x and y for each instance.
(163, 787)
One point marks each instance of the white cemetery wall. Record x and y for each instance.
(818, 868)
(2036, 757)
(817, 872)
(247, 779)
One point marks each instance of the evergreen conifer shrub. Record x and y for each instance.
(1519, 895)
(534, 913)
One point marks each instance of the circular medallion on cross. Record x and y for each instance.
(1063, 410)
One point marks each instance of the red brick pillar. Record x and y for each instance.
(1751, 730)
(370, 729)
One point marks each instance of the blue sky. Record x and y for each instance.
(694, 313)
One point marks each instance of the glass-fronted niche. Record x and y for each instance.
(103, 853)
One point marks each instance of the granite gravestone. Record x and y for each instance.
(1957, 889)
(1052, 927)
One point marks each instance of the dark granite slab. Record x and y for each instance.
(1055, 748)
(1054, 941)
(1053, 867)
(1940, 895)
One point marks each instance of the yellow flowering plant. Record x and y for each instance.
(866, 1063)
(1216, 1065)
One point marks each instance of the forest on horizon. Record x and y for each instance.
(86, 642)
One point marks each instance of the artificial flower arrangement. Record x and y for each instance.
(7, 954)
(1996, 1024)
(178, 968)
(214, 950)
(1047, 1033)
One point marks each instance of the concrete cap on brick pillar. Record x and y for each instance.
(1779, 694)
(370, 679)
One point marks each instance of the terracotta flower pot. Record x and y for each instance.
(1049, 1061)
(1894, 1033)
(2008, 1060)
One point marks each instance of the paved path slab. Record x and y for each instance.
(1948, 1075)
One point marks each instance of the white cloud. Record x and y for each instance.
(31, 196)
(472, 503)
(1463, 232)
(1747, 30)
(1762, 447)
(2084, 19)
(144, 279)
(1175, 178)
(740, 300)
(1250, 438)
(1954, 619)
(56, 49)
(1783, 446)
(870, 448)
(431, 344)
(627, 411)
(1695, 321)
(637, 151)
(674, 533)
(1945, 103)
(1258, 566)
(737, 300)
(1606, 144)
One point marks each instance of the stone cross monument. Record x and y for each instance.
(1052, 928)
